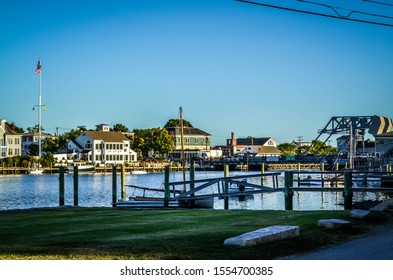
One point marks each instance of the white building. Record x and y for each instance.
(10, 141)
(105, 147)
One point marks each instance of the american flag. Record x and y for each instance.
(38, 70)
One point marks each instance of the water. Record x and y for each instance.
(95, 190)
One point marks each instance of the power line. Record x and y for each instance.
(314, 13)
(350, 11)
(379, 3)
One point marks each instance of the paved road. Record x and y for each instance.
(378, 245)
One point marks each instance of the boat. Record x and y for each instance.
(35, 170)
(138, 172)
(153, 197)
(82, 167)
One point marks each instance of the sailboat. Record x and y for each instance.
(153, 201)
(202, 203)
(36, 169)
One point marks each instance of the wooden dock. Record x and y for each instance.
(293, 166)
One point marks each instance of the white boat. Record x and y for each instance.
(82, 167)
(35, 171)
(138, 172)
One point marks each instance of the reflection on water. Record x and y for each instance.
(95, 190)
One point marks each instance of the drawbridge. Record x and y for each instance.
(355, 126)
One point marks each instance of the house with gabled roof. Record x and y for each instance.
(105, 147)
(10, 141)
(195, 140)
(263, 146)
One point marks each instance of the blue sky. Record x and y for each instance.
(232, 66)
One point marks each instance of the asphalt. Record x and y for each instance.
(376, 245)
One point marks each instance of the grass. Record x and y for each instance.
(104, 233)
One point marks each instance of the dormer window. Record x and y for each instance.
(88, 145)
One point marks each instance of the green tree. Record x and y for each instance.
(34, 129)
(51, 145)
(154, 139)
(120, 127)
(33, 149)
(319, 148)
(48, 159)
(73, 133)
(288, 149)
(176, 123)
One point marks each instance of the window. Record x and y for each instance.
(88, 145)
(197, 141)
(187, 140)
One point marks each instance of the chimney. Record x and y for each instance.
(233, 140)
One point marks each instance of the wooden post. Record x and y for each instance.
(61, 186)
(288, 192)
(192, 185)
(166, 183)
(114, 186)
(262, 172)
(347, 190)
(76, 183)
(323, 174)
(226, 199)
(123, 183)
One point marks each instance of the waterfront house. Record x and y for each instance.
(264, 146)
(104, 147)
(195, 140)
(10, 141)
(31, 138)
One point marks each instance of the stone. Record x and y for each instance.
(263, 235)
(359, 213)
(383, 206)
(333, 223)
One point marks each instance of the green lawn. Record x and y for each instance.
(90, 233)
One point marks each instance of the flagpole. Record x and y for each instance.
(39, 115)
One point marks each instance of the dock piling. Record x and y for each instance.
(61, 186)
(288, 192)
(226, 187)
(347, 190)
(192, 184)
(123, 183)
(114, 186)
(76, 185)
(166, 183)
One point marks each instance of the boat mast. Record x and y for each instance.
(182, 148)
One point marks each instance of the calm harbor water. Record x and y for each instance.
(95, 190)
